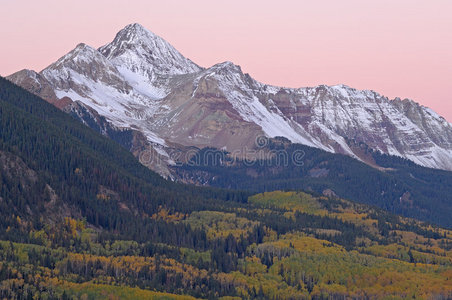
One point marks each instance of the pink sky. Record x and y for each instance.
(398, 48)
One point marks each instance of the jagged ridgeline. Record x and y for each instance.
(82, 218)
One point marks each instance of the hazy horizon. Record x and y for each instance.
(401, 49)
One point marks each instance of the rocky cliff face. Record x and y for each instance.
(34, 83)
(140, 82)
(397, 127)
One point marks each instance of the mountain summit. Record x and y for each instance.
(140, 82)
(143, 52)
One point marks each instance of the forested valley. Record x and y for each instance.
(82, 218)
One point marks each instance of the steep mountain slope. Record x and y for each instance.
(34, 83)
(39, 85)
(46, 154)
(140, 82)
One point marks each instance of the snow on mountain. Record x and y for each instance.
(146, 60)
(85, 75)
(241, 91)
(140, 81)
(325, 117)
(381, 123)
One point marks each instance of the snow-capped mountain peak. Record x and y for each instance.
(81, 52)
(144, 52)
(226, 65)
(81, 67)
(140, 81)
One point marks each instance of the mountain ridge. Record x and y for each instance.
(139, 81)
